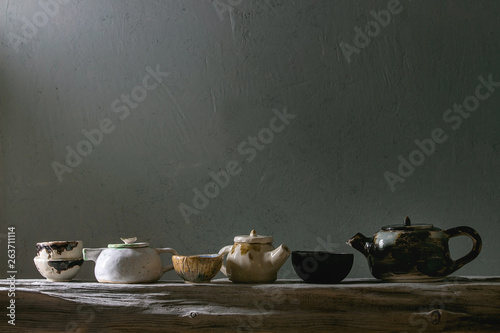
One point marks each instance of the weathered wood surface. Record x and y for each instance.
(356, 305)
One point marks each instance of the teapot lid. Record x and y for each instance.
(407, 226)
(128, 243)
(253, 238)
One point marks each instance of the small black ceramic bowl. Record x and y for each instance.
(321, 266)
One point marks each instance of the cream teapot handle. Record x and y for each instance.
(169, 250)
(225, 250)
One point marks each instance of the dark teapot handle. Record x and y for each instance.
(476, 245)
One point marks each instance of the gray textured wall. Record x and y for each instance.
(317, 180)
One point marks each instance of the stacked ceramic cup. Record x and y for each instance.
(59, 260)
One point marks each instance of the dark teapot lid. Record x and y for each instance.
(407, 226)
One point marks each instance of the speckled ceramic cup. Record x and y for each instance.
(199, 268)
(59, 250)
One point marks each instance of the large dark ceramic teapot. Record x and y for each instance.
(413, 253)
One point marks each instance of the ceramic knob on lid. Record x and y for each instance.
(407, 221)
(128, 243)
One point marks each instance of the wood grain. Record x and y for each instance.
(357, 305)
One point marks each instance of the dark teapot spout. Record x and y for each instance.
(360, 243)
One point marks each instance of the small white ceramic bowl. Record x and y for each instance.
(58, 270)
(59, 250)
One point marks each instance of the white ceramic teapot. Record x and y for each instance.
(253, 259)
(128, 263)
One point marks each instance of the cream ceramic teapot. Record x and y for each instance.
(253, 259)
(128, 263)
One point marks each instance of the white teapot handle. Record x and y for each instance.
(225, 250)
(169, 250)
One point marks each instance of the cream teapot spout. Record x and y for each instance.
(278, 256)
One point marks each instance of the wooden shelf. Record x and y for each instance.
(458, 304)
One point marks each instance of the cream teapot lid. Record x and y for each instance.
(253, 238)
(128, 243)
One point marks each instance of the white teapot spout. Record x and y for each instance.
(91, 254)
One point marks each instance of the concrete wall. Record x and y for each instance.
(222, 71)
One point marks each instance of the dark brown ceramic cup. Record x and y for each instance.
(322, 266)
